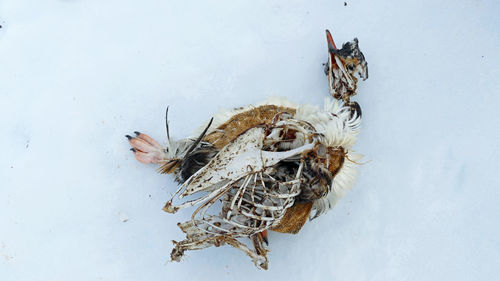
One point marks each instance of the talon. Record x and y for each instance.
(146, 150)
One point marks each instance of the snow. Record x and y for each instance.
(76, 76)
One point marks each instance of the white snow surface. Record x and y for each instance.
(76, 76)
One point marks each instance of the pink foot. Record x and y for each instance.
(146, 150)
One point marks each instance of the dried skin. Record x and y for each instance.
(294, 218)
(239, 123)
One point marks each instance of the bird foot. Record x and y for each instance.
(146, 150)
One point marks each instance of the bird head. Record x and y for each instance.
(341, 67)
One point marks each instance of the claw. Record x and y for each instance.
(146, 150)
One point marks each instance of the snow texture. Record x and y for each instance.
(76, 76)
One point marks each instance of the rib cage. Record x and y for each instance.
(250, 205)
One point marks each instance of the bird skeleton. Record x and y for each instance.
(271, 166)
